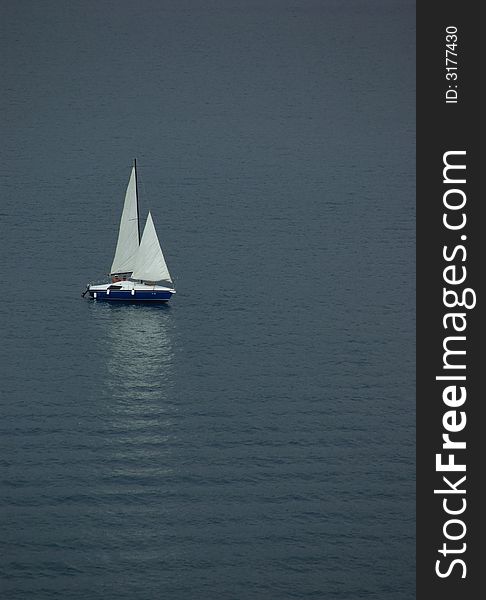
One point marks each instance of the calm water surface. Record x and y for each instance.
(254, 439)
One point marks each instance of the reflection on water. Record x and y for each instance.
(138, 388)
(140, 358)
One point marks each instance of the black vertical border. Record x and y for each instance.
(442, 127)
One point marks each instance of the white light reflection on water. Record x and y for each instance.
(140, 361)
(138, 392)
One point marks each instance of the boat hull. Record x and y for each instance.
(128, 296)
(130, 291)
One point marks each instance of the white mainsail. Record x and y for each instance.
(128, 241)
(149, 261)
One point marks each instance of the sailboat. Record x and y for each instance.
(139, 272)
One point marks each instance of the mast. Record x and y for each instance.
(136, 194)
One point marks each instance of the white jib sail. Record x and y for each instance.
(127, 245)
(149, 262)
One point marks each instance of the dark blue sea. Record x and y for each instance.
(254, 439)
